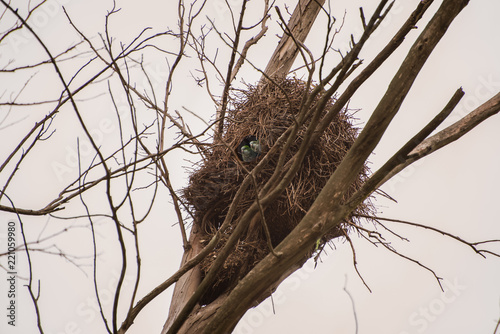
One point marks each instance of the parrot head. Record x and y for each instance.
(247, 154)
(249, 149)
(255, 146)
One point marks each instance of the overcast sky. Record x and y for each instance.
(455, 189)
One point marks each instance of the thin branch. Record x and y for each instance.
(497, 326)
(449, 134)
(94, 250)
(299, 45)
(34, 298)
(402, 154)
(354, 261)
(362, 15)
(134, 312)
(229, 74)
(353, 305)
(327, 211)
(299, 25)
(434, 229)
(252, 41)
(259, 204)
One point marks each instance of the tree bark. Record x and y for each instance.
(326, 211)
(201, 316)
(300, 24)
(222, 315)
(187, 284)
(448, 135)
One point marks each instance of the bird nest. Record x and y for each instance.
(265, 113)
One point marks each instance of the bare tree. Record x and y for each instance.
(130, 174)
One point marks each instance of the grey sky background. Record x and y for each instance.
(455, 189)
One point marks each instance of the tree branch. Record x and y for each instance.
(448, 135)
(300, 24)
(402, 155)
(326, 212)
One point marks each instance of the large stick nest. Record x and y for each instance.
(265, 112)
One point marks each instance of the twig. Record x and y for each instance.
(259, 204)
(354, 261)
(252, 41)
(497, 326)
(402, 154)
(34, 298)
(353, 305)
(449, 235)
(134, 312)
(449, 134)
(94, 251)
(392, 250)
(221, 111)
(362, 15)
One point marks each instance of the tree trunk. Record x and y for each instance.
(300, 24)
(187, 284)
(327, 210)
(201, 316)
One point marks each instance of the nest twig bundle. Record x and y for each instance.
(265, 113)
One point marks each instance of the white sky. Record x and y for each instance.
(455, 189)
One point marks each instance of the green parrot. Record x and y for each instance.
(255, 146)
(247, 154)
(249, 149)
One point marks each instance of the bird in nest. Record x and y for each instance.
(249, 149)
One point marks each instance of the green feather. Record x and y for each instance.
(247, 154)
